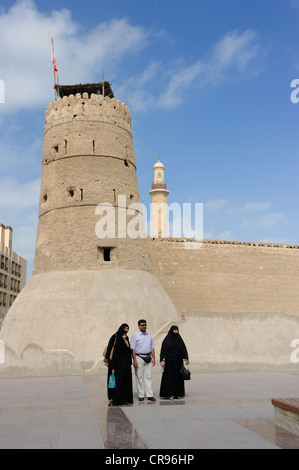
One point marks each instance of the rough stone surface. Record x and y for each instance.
(88, 159)
(63, 320)
(223, 276)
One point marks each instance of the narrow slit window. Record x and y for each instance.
(106, 254)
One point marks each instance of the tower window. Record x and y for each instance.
(106, 254)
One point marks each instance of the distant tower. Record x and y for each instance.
(159, 195)
(92, 266)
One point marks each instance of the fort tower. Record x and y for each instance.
(92, 267)
(88, 159)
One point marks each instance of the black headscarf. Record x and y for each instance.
(120, 344)
(173, 346)
(124, 325)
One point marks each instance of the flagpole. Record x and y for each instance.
(55, 94)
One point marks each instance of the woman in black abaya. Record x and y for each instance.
(121, 366)
(108, 357)
(173, 353)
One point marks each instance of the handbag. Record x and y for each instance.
(111, 352)
(185, 372)
(111, 383)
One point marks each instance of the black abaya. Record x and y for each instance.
(173, 351)
(112, 340)
(121, 364)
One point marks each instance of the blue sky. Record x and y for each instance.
(209, 88)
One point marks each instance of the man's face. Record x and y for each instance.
(142, 327)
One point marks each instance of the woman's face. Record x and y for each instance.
(124, 336)
(126, 328)
(175, 331)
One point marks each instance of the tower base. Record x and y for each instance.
(61, 321)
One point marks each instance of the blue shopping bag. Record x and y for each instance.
(111, 383)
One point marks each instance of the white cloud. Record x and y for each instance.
(237, 51)
(256, 206)
(15, 155)
(182, 79)
(267, 221)
(16, 196)
(25, 54)
(227, 235)
(273, 219)
(236, 56)
(83, 56)
(19, 209)
(217, 204)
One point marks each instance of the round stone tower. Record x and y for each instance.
(92, 267)
(88, 159)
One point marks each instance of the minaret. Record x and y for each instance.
(92, 266)
(159, 195)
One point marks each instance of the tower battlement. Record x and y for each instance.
(82, 107)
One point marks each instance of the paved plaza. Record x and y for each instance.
(220, 411)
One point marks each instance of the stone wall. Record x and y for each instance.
(228, 276)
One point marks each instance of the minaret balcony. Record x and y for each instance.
(159, 186)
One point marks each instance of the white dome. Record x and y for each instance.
(159, 164)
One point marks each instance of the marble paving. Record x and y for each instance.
(219, 411)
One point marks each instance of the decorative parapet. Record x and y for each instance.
(226, 242)
(83, 107)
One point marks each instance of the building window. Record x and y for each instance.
(106, 253)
